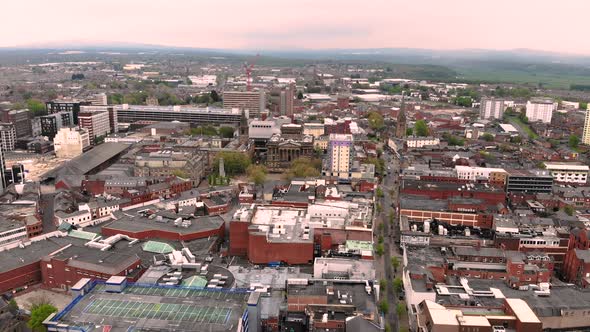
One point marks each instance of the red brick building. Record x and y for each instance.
(216, 205)
(15, 277)
(451, 218)
(555, 247)
(262, 251)
(576, 268)
(65, 269)
(514, 267)
(446, 190)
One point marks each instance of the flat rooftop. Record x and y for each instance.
(281, 224)
(157, 308)
(415, 202)
(133, 221)
(355, 292)
(88, 161)
(561, 297)
(17, 257)
(566, 166)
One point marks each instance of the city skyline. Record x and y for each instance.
(263, 24)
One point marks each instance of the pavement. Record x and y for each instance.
(58, 300)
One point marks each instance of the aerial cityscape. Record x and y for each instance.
(319, 176)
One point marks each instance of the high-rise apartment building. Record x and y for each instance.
(66, 105)
(252, 101)
(52, 123)
(540, 110)
(586, 133)
(7, 136)
(21, 119)
(95, 120)
(340, 152)
(287, 97)
(491, 108)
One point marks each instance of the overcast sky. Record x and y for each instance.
(560, 26)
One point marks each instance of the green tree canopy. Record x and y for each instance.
(400, 309)
(453, 140)
(383, 285)
(384, 306)
(583, 105)
(39, 314)
(235, 163)
(398, 284)
(487, 137)
(37, 107)
(379, 192)
(115, 99)
(376, 121)
(573, 141)
(257, 174)
(304, 167)
(203, 131)
(395, 262)
(226, 132)
(421, 128)
(409, 131)
(379, 164)
(464, 101)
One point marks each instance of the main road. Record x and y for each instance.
(389, 200)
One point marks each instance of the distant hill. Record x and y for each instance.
(523, 66)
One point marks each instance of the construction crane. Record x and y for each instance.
(248, 68)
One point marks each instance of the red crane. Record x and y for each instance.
(248, 68)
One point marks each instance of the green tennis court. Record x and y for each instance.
(159, 311)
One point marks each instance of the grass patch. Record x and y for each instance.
(517, 122)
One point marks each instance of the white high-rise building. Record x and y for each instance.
(71, 142)
(491, 108)
(253, 101)
(540, 110)
(340, 148)
(98, 99)
(7, 136)
(586, 133)
(96, 120)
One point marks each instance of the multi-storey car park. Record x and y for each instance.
(133, 113)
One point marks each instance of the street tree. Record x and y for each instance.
(398, 284)
(395, 263)
(421, 128)
(38, 315)
(573, 141)
(257, 174)
(376, 121)
(400, 309)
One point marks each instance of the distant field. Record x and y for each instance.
(548, 75)
(551, 81)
